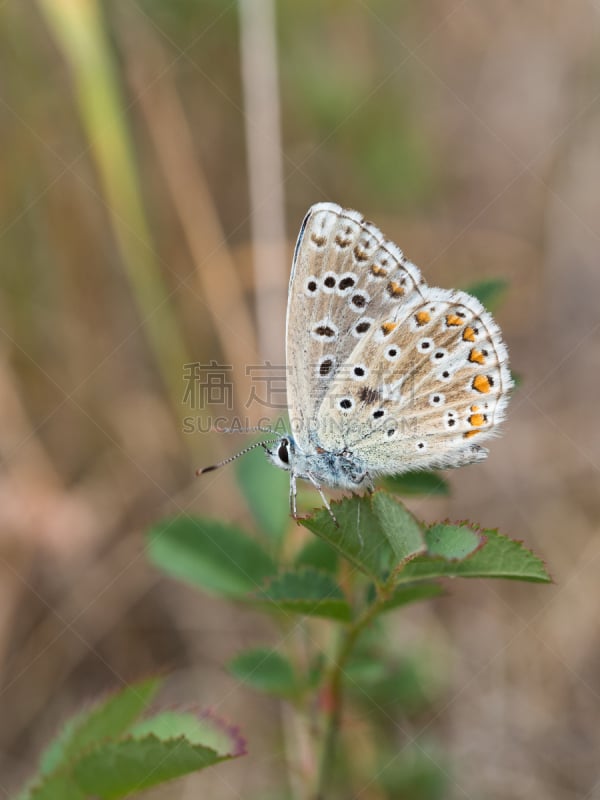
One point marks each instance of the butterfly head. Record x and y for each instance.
(282, 453)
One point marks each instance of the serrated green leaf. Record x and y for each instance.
(318, 554)
(202, 739)
(309, 592)
(357, 536)
(219, 558)
(417, 483)
(204, 728)
(452, 541)
(376, 533)
(265, 670)
(266, 490)
(109, 718)
(490, 293)
(401, 529)
(498, 557)
(54, 787)
(115, 769)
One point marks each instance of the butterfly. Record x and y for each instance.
(385, 374)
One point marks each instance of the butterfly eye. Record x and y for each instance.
(283, 452)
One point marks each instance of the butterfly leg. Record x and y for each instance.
(317, 486)
(293, 493)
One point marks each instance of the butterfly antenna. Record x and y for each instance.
(255, 429)
(243, 452)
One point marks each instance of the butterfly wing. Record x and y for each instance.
(423, 388)
(346, 276)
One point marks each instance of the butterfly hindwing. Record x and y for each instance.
(427, 383)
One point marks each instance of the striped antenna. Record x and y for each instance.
(202, 470)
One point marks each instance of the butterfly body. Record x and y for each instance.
(338, 470)
(385, 373)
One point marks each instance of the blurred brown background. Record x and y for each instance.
(157, 160)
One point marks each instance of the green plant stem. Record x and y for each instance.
(334, 687)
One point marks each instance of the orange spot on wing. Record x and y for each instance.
(474, 408)
(469, 434)
(422, 317)
(469, 334)
(453, 320)
(388, 327)
(477, 420)
(394, 289)
(476, 357)
(378, 271)
(482, 383)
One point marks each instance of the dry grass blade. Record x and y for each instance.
(221, 291)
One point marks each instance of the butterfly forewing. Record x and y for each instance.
(346, 278)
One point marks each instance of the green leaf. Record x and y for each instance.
(204, 728)
(417, 483)
(54, 787)
(265, 670)
(452, 541)
(490, 293)
(318, 554)
(159, 748)
(497, 557)
(266, 490)
(219, 558)
(115, 769)
(108, 718)
(376, 533)
(308, 592)
(400, 528)
(384, 686)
